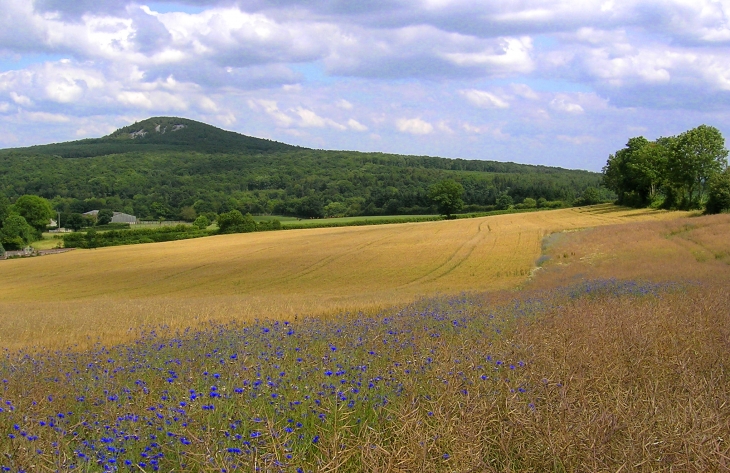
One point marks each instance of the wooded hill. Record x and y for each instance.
(167, 167)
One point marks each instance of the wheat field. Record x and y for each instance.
(107, 294)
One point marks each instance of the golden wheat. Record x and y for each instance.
(88, 295)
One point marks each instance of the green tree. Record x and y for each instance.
(718, 191)
(696, 156)
(201, 222)
(75, 222)
(104, 216)
(529, 203)
(504, 201)
(36, 211)
(188, 214)
(446, 195)
(235, 222)
(624, 173)
(335, 209)
(591, 196)
(2, 251)
(16, 233)
(649, 167)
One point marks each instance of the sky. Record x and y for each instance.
(555, 82)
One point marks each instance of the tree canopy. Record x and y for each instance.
(36, 211)
(447, 197)
(673, 172)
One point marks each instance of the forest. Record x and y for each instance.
(172, 168)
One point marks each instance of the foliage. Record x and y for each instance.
(104, 216)
(674, 170)
(235, 222)
(2, 250)
(446, 195)
(504, 201)
(719, 193)
(75, 222)
(16, 233)
(4, 209)
(36, 211)
(529, 203)
(96, 239)
(201, 222)
(591, 196)
(698, 154)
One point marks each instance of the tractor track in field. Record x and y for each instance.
(435, 274)
(323, 262)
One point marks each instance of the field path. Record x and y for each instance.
(106, 291)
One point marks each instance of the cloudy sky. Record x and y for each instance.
(557, 82)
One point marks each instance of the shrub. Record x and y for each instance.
(201, 222)
(235, 222)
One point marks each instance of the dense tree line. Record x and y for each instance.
(688, 171)
(173, 168)
(303, 183)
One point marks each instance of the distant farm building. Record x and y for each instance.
(117, 217)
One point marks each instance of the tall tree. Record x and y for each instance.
(36, 211)
(16, 233)
(623, 173)
(696, 156)
(447, 197)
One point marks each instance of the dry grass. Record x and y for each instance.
(88, 295)
(689, 249)
(632, 385)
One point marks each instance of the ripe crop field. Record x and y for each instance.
(613, 357)
(86, 296)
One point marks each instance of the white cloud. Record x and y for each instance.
(414, 126)
(443, 126)
(344, 104)
(524, 91)
(45, 117)
(511, 57)
(484, 99)
(271, 108)
(356, 125)
(577, 140)
(20, 99)
(561, 104)
(494, 131)
(310, 119)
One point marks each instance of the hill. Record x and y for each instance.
(159, 134)
(168, 167)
